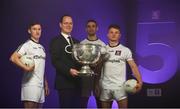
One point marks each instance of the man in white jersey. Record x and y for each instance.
(34, 87)
(113, 73)
(91, 83)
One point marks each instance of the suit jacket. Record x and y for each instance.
(63, 62)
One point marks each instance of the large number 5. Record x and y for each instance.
(146, 48)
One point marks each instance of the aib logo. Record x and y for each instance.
(158, 59)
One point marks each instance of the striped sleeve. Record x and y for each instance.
(129, 55)
(21, 49)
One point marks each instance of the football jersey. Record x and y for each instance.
(114, 69)
(37, 52)
(96, 42)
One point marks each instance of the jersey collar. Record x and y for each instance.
(34, 41)
(92, 40)
(113, 46)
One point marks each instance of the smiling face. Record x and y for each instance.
(35, 31)
(66, 24)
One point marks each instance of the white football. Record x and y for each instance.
(27, 60)
(130, 85)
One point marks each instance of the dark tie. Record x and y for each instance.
(70, 40)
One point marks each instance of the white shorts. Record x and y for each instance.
(33, 93)
(113, 94)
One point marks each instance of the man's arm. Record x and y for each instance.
(46, 87)
(136, 73)
(15, 58)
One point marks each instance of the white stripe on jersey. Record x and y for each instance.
(114, 69)
(37, 51)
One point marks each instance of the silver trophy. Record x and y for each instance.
(87, 54)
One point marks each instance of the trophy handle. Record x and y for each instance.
(70, 52)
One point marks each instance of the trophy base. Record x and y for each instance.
(85, 71)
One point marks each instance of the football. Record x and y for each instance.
(27, 60)
(130, 85)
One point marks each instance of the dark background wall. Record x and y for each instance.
(150, 28)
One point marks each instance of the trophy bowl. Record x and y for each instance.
(86, 54)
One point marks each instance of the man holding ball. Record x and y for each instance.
(34, 87)
(113, 74)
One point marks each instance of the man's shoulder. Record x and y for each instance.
(103, 44)
(98, 42)
(125, 48)
(84, 41)
(55, 38)
(27, 43)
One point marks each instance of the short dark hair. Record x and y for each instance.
(114, 26)
(33, 23)
(66, 15)
(91, 20)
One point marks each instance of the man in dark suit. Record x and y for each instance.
(67, 81)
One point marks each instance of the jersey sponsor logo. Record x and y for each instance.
(39, 48)
(38, 57)
(111, 51)
(118, 52)
(114, 60)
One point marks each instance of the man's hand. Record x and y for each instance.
(138, 87)
(97, 90)
(29, 69)
(46, 89)
(74, 72)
